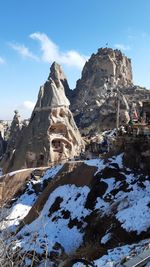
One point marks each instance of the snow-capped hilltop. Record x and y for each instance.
(95, 210)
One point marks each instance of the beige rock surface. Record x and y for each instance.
(51, 135)
(94, 100)
(14, 136)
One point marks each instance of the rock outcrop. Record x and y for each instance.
(52, 135)
(3, 146)
(3, 143)
(104, 71)
(15, 129)
(94, 100)
(14, 136)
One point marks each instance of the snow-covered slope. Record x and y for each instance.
(111, 211)
(11, 217)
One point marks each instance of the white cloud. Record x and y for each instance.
(2, 61)
(25, 109)
(73, 58)
(23, 51)
(51, 52)
(28, 104)
(122, 47)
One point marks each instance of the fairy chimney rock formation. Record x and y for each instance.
(51, 135)
(52, 93)
(14, 135)
(15, 130)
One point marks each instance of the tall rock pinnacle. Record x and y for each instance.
(52, 135)
(52, 93)
(15, 131)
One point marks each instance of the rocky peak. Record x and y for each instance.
(58, 76)
(56, 72)
(52, 93)
(108, 67)
(16, 122)
(104, 71)
(94, 99)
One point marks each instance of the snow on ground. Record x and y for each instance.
(134, 209)
(50, 173)
(126, 197)
(136, 215)
(53, 226)
(118, 160)
(79, 264)
(111, 185)
(100, 164)
(116, 255)
(105, 238)
(24, 202)
(102, 206)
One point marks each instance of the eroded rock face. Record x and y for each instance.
(15, 129)
(52, 93)
(2, 141)
(104, 71)
(94, 100)
(3, 145)
(52, 135)
(14, 137)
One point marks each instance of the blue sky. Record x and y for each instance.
(34, 33)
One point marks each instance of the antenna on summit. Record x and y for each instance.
(106, 44)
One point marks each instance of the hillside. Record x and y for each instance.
(72, 194)
(96, 210)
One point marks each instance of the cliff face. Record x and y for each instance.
(104, 71)
(52, 135)
(94, 99)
